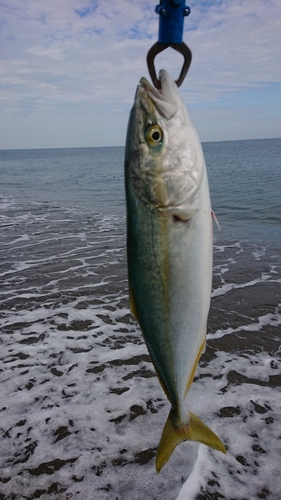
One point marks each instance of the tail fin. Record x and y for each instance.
(195, 430)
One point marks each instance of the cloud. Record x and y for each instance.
(84, 57)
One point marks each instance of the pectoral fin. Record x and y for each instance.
(183, 214)
(194, 430)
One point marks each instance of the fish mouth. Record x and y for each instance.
(164, 99)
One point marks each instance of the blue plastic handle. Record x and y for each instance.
(171, 18)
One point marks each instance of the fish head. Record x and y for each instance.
(164, 160)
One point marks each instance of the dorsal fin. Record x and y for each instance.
(132, 302)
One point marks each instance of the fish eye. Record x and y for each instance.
(154, 136)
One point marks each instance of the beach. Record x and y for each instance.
(81, 409)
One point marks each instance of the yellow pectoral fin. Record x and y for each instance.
(132, 302)
(194, 430)
(201, 350)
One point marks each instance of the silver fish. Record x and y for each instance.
(169, 249)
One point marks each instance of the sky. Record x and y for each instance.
(69, 69)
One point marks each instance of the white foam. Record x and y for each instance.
(76, 318)
(232, 286)
(273, 319)
(249, 428)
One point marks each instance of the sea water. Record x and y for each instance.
(81, 409)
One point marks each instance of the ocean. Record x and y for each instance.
(81, 409)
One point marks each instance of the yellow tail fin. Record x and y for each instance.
(195, 430)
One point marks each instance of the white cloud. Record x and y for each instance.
(83, 58)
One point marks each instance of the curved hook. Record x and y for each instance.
(158, 47)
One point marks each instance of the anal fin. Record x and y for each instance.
(191, 376)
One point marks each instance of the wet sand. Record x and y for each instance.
(81, 408)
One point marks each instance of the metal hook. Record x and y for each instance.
(158, 47)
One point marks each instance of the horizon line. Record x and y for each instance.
(92, 147)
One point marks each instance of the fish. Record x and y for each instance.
(169, 250)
